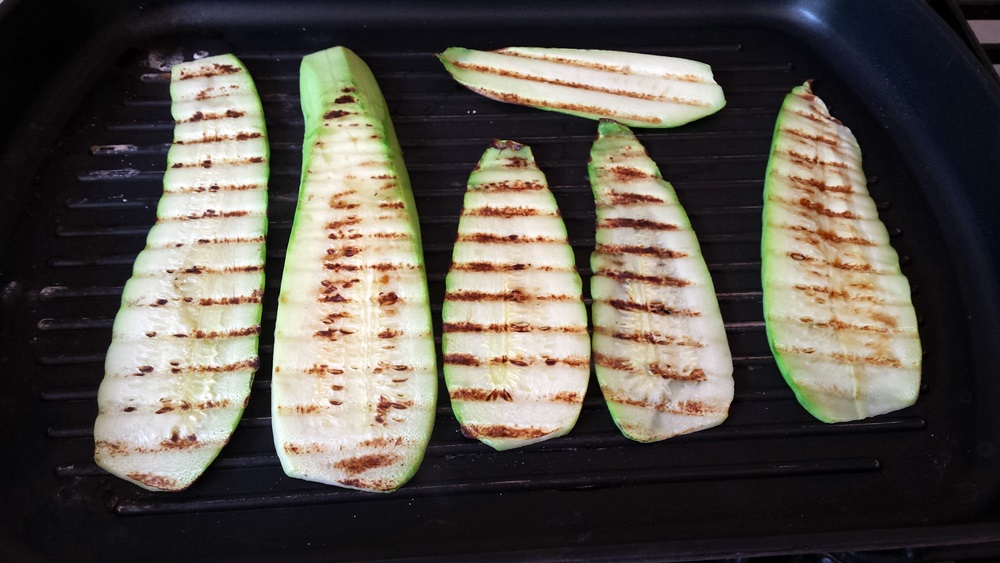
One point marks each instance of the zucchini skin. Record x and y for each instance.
(184, 343)
(515, 343)
(840, 320)
(661, 354)
(354, 381)
(635, 89)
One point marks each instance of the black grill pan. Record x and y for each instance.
(84, 127)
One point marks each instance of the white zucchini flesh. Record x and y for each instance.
(661, 354)
(636, 89)
(354, 383)
(515, 342)
(184, 343)
(839, 317)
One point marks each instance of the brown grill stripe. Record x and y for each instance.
(491, 238)
(579, 108)
(623, 70)
(812, 161)
(481, 395)
(639, 224)
(201, 116)
(508, 186)
(471, 360)
(206, 271)
(505, 267)
(807, 136)
(819, 185)
(655, 308)
(217, 188)
(828, 236)
(577, 85)
(687, 408)
(217, 69)
(821, 209)
(210, 214)
(655, 369)
(649, 337)
(614, 199)
(832, 293)
(210, 163)
(653, 251)
(232, 333)
(509, 327)
(623, 276)
(889, 325)
(515, 296)
(852, 359)
(503, 431)
(508, 212)
(216, 138)
(366, 462)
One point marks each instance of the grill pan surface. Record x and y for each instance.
(83, 149)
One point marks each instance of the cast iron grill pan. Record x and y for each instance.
(770, 471)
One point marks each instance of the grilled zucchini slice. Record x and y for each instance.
(354, 379)
(839, 317)
(635, 89)
(184, 344)
(660, 349)
(516, 349)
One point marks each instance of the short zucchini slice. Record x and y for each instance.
(515, 342)
(354, 382)
(660, 349)
(635, 89)
(839, 317)
(184, 344)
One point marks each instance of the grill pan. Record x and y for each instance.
(85, 128)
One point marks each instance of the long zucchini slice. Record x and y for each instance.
(184, 344)
(635, 89)
(515, 342)
(354, 384)
(839, 317)
(660, 349)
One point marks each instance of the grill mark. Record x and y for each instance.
(491, 238)
(655, 308)
(392, 205)
(613, 199)
(494, 267)
(623, 276)
(476, 431)
(303, 449)
(208, 214)
(350, 220)
(812, 161)
(640, 224)
(810, 290)
(686, 408)
(515, 296)
(853, 359)
(579, 108)
(365, 462)
(210, 163)
(805, 135)
(250, 363)
(623, 174)
(483, 395)
(819, 185)
(178, 442)
(509, 186)
(156, 481)
(202, 116)
(232, 333)
(217, 69)
(830, 236)
(654, 251)
(217, 188)
(336, 113)
(821, 209)
(471, 360)
(206, 271)
(579, 86)
(659, 370)
(507, 212)
(649, 338)
(235, 240)
(816, 116)
(508, 327)
(622, 70)
(216, 138)
(838, 325)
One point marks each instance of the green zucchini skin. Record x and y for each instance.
(184, 343)
(354, 381)
(661, 354)
(515, 342)
(840, 320)
(636, 89)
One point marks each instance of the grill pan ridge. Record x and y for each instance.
(769, 480)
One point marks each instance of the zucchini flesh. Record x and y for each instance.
(354, 380)
(184, 343)
(635, 89)
(660, 349)
(515, 342)
(839, 317)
